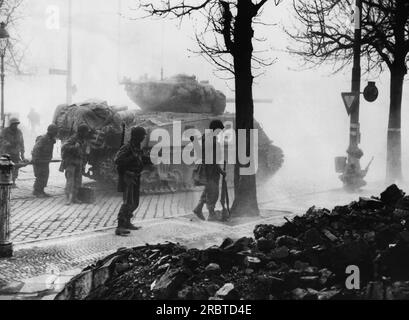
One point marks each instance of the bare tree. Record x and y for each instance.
(326, 35)
(10, 14)
(227, 41)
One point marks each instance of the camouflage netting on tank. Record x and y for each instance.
(96, 114)
(105, 123)
(177, 94)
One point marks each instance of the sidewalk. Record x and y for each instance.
(35, 219)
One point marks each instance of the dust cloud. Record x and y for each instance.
(306, 118)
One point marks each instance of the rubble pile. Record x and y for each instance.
(306, 258)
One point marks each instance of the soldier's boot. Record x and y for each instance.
(123, 219)
(36, 193)
(212, 215)
(120, 231)
(40, 194)
(129, 226)
(69, 199)
(198, 211)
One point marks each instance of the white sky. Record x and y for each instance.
(307, 117)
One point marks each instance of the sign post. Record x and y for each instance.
(353, 176)
(349, 99)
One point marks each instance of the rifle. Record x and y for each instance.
(123, 134)
(224, 199)
(365, 172)
(369, 165)
(29, 163)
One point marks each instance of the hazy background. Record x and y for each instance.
(307, 117)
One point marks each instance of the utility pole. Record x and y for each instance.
(119, 39)
(3, 119)
(162, 50)
(69, 55)
(353, 176)
(355, 135)
(4, 40)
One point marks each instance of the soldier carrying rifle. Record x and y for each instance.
(12, 143)
(74, 158)
(41, 157)
(130, 161)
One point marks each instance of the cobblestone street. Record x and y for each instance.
(51, 238)
(34, 219)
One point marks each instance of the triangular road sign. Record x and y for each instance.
(349, 99)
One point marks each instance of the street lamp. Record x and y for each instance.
(4, 41)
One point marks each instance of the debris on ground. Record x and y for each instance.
(304, 259)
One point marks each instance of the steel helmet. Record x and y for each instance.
(216, 124)
(138, 133)
(52, 129)
(83, 129)
(14, 121)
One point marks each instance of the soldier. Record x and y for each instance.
(12, 143)
(41, 156)
(34, 119)
(213, 171)
(73, 154)
(130, 162)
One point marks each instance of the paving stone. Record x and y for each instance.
(33, 219)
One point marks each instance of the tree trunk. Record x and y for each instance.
(394, 144)
(245, 202)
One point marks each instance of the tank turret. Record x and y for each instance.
(181, 93)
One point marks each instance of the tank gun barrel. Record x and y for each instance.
(232, 100)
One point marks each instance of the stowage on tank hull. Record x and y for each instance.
(106, 124)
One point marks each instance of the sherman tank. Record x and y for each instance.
(110, 124)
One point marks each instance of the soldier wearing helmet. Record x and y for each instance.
(130, 161)
(12, 143)
(41, 156)
(212, 171)
(74, 159)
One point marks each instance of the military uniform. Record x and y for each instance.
(213, 171)
(73, 154)
(130, 162)
(41, 156)
(12, 143)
